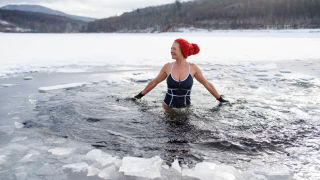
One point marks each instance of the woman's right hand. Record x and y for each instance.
(222, 100)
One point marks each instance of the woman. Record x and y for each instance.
(179, 77)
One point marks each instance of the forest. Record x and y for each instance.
(203, 14)
(38, 22)
(215, 14)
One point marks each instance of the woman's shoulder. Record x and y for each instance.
(193, 65)
(194, 68)
(168, 65)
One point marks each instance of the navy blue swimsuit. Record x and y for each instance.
(178, 94)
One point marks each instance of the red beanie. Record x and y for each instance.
(187, 48)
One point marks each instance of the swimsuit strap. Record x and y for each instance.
(171, 68)
(189, 68)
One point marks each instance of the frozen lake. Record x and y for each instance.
(66, 113)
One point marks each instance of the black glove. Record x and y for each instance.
(138, 96)
(221, 100)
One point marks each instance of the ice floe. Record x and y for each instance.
(26, 158)
(141, 167)
(273, 172)
(62, 86)
(8, 85)
(284, 71)
(58, 151)
(209, 171)
(18, 125)
(77, 167)
(102, 158)
(108, 172)
(93, 171)
(28, 78)
(46, 170)
(2, 159)
(175, 165)
(77, 58)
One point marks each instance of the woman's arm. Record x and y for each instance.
(152, 84)
(199, 76)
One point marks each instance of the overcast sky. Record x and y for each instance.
(91, 8)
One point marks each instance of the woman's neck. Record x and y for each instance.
(181, 61)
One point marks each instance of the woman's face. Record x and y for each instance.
(176, 51)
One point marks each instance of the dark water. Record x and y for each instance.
(272, 115)
(273, 119)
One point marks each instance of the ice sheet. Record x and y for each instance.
(74, 52)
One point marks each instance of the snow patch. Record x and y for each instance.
(4, 22)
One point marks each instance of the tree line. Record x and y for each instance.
(39, 22)
(215, 14)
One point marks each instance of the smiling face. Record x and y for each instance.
(176, 51)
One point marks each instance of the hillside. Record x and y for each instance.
(215, 14)
(42, 9)
(21, 21)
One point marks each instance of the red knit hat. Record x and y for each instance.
(188, 48)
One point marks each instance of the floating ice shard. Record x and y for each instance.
(102, 158)
(16, 118)
(46, 170)
(141, 167)
(18, 125)
(2, 159)
(8, 85)
(26, 158)
(107, 172)
(92, 171)
(175, 165)
(274, 172)
(27, 78)
(77, 167)
(284, 71)
(209, 171)
(60, 151)
(61, 86)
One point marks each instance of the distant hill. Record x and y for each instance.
(22, 21)
(42, 9)
(215, 14)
